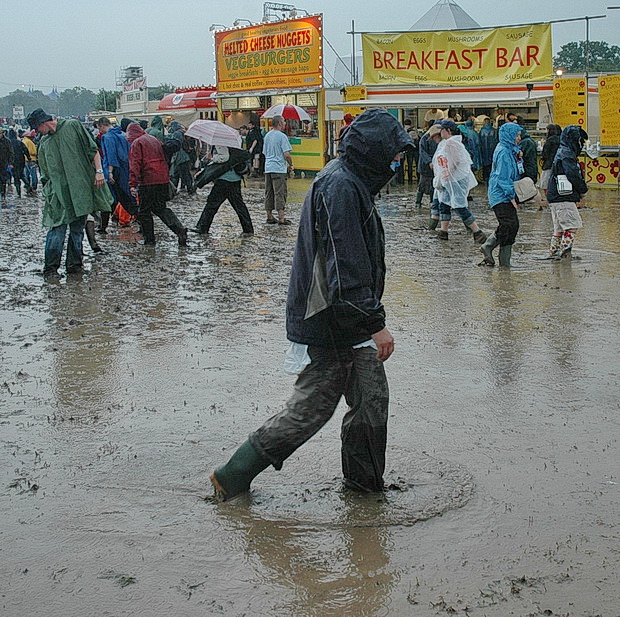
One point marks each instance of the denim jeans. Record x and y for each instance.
(30, 174)
(445, 214)
(54, 243)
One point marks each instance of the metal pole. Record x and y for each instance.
(353, 67)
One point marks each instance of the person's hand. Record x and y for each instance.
(99, 180)
(134, 191)
(385, 344)
(514, 203)
(111, 177)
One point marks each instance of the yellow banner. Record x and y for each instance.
(476, 57)
(282, 55)
(570, 102)
(609, 109)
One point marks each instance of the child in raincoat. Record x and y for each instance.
(453, 181)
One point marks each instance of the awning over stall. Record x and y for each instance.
(450, 97)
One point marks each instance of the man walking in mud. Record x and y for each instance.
(73, 186)
(335, 319)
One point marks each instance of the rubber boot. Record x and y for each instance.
(90, 236)
(480, 237)
(487, 250)
(554, 247)
(235, 477)
(566, 243)
(432, 223)
(105, 219)
(505, 253)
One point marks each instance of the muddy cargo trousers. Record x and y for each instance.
(360, 377)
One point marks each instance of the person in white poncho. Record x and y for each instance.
(453, 181)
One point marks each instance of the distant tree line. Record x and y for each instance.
(74, 102)
(602, 57)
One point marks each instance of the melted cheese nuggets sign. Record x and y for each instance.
(285, 54)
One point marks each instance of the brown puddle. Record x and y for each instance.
(122, 388)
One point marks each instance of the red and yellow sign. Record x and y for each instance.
(570, 102)
(609, 109)
(284, 54)
(478, 57)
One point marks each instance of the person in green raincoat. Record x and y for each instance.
(73, 186)
(157, 128)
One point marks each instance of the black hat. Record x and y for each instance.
(449, 125)
(37, 117)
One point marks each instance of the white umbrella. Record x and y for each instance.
(214, 133)
(288, 112)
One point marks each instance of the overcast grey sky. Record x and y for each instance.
(70, 43)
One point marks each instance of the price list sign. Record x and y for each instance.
(570, 105)
(609, 109)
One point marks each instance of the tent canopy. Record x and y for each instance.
(445, 15)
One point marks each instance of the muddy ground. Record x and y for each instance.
(123, 387)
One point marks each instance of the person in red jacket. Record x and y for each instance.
(148, 181)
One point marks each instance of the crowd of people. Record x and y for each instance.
(449, 157)
(143, 166)
(131, 172)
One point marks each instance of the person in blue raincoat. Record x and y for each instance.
(502, 195)
(115, 149)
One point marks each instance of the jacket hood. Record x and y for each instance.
(157, 123)
(134, 130)
(573, 137)
(370, 144)
(508, 133)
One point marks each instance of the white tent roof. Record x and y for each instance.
(445, 15)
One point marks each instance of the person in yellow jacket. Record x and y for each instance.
(30, 170)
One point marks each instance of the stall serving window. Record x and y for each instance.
(307, 129)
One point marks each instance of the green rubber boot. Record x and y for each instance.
(487, 250)
(504, 255)
(432, 223)
(235, 477)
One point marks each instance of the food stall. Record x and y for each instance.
(270, 64)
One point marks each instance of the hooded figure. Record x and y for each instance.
(148, 178)
(488, 143)
(502, 195)
(472, 143)
(335, 319)
(6, 159)
(564, 213)
(157, 128)
(125, 122)
(115, 146)
(530, 156)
